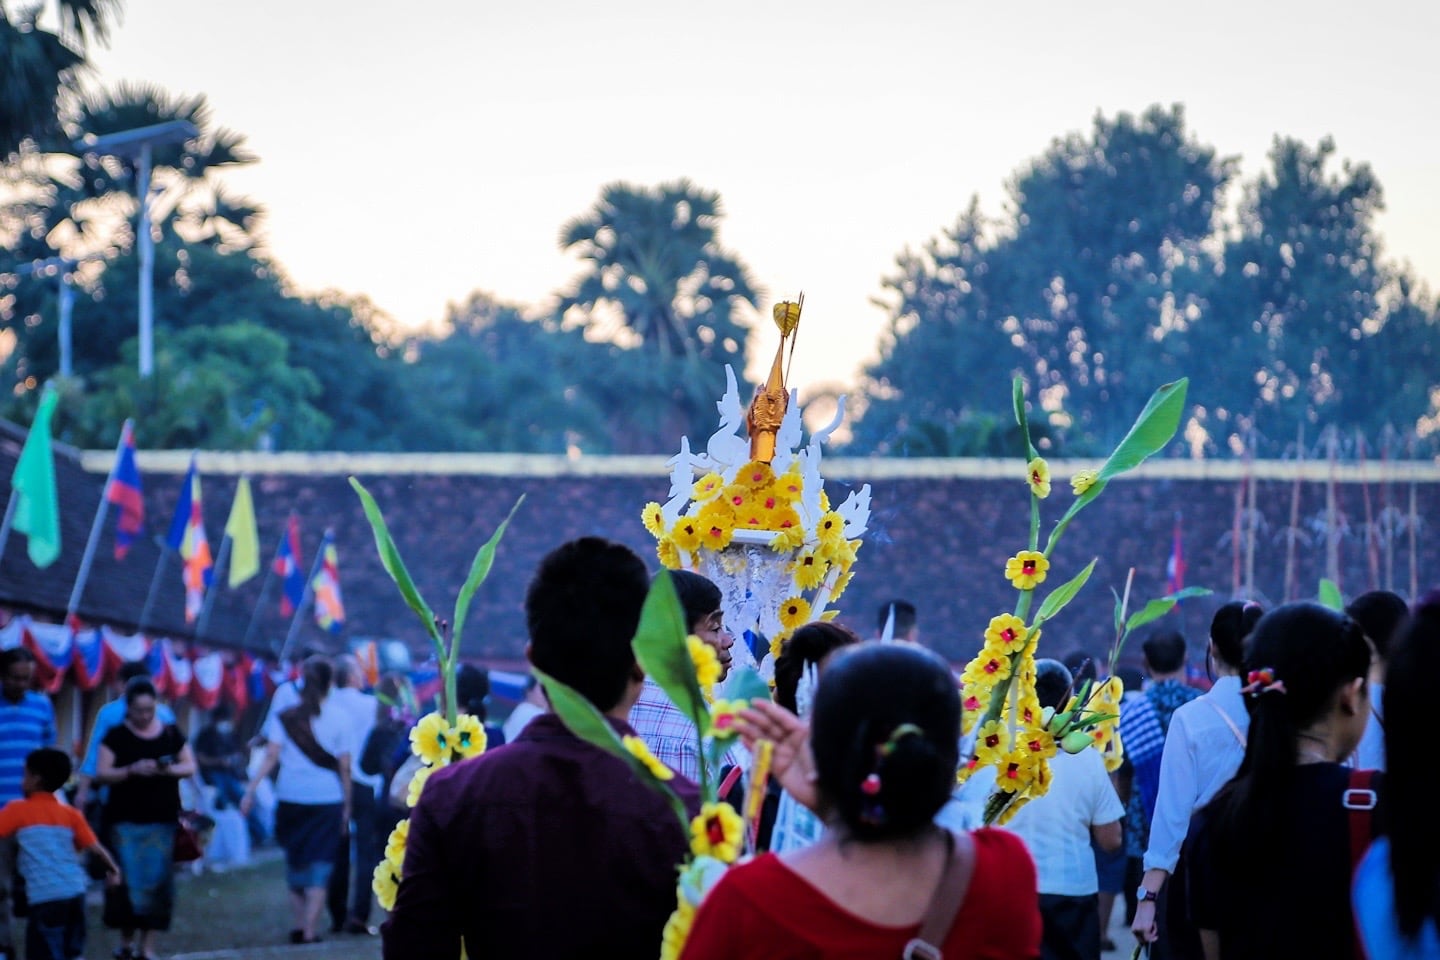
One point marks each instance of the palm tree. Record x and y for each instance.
(653, 255)
(38, 68)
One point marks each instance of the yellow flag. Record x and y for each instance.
(244, 538)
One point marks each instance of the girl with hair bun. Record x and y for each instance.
(1203, 748)
(876, 762)
(1268, 861)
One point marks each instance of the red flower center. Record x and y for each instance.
(737, 500)
(1008, 635)
(1028, 567)
(1035, 476)
(714, 831)
(769, 503)
(992, 666)
(972, 703)
(1013, 772)
(786, 524)
(993, 740)
(1034, 746)
(715, 532)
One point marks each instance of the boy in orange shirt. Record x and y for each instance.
(50, 835)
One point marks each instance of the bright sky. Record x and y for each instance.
(414, 154)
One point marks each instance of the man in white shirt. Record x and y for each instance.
(526, 710)
(348, 895)
(1058, 826)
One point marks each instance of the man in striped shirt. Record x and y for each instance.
(27, 723)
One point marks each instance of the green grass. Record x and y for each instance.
(238, 914)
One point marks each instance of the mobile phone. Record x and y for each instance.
(164, 761)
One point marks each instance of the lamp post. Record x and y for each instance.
(136, 145)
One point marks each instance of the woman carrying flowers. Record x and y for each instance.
(883, 738)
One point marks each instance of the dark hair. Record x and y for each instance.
(1132, 678)
(809, 644)
(868, 693)
(1164, 651)
(1230, 626)
(131, 669)
(1380, 614)
(1052, 682)
(8, 658)
(905, 616)
(347, 669)
(699, 597)
(318, 673)
(472, 686)
(1313, 651)
(52, 767)
(137, 687)
(1414, 832)
(581, 611)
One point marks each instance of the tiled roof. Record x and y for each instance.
(939, 537)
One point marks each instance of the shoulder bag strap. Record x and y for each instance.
(944, 904)
(1234, 728)
(1359, 802)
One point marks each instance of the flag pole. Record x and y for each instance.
(305, 598)
(264, 590)
(220, 561)
(89, 558)
(9, 519)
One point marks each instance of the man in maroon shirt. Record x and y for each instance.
(548, 846)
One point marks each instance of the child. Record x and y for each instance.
(49, 834)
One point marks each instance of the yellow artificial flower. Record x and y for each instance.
(1037, 474)
(1011, 776)
(707, 662)
(686, 534)
(417, 784)
(668, 553)
(716, 521)
(809, 570)
(1083, 481)
(992, 743)
(975, 700)
(386, 883)
(831, 528)
(653, 516)
(791, 538)
(736, 496)
(1036, 743)
(723, 715)
(782, 515)
(1005, 635)
(677, 931)
(717, 832)
(468, 736)
(824, 502)
(395, 846)
(794, 613)
(430, 739)
(707, 488)
(641, 752)
(777, 643)
(986, 670)
(1012, 808)
(756, 475)
(1029, 706)
(840, 584)
(789, 486)
(840, 552)
(1026, 569)
(1114, 752)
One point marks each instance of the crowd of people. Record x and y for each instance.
(1275, 805)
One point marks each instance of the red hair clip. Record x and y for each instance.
(1262, 681)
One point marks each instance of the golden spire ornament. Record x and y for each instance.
(767, 408)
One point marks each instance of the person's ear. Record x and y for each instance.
(1351, 695)
(637, 672)
(528, 658)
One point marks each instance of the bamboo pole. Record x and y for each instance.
(1292, 532)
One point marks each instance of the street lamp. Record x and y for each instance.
(136, 145)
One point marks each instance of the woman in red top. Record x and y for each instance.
(878, 763)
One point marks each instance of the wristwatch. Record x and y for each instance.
(1142, 895)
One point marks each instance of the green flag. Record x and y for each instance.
(244, 538)
(37, 507)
